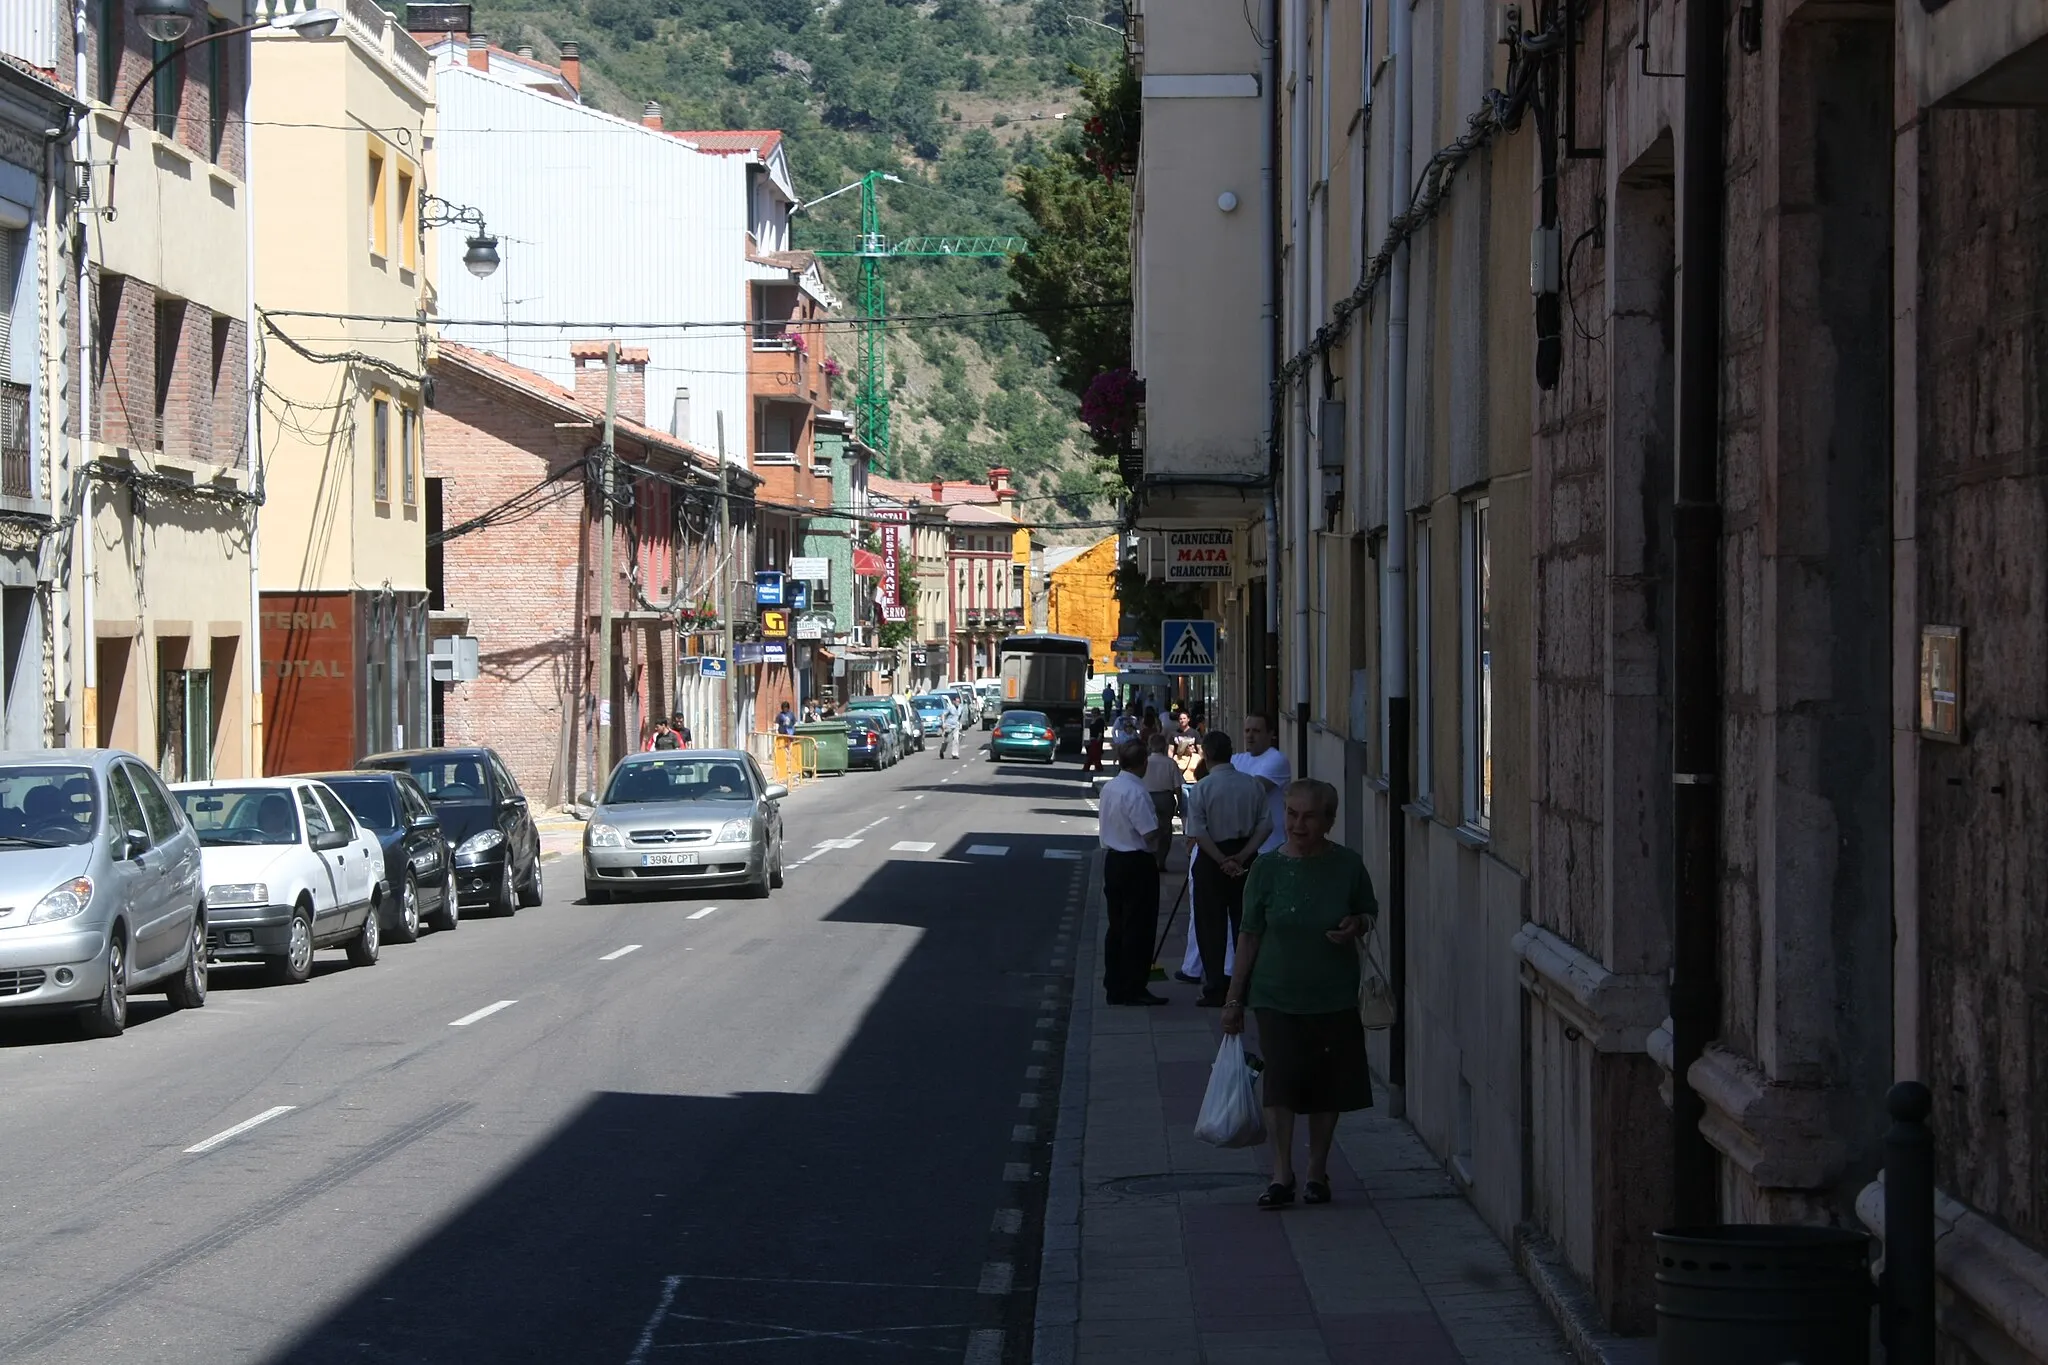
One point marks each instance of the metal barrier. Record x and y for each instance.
(791, 760)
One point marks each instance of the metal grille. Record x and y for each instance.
(15, 474)
(22, 981)
(670, 836)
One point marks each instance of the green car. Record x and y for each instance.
(1023, 734)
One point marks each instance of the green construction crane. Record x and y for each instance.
(871, 405)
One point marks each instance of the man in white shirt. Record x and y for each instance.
(1263, 759)
(949, 730)
(1130, 881)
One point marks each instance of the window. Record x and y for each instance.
(156, 805)
(168, 90)
(127, 811)
(380, 228)
(1476, 592)
(408, 455)
(185, 725)
(1425, 668)
(408, 223)
(170, 325)
(317, 822)
(110, 49)
(337, 813)
(380, 449)
(219, 98)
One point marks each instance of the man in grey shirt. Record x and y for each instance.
(1228, 817)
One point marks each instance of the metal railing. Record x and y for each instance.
(791, 760)
(17, 474)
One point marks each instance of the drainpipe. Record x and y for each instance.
(252, 648)
(1394, 562)
(83, 637)
(1696, 658)
(1298, 463)
(1269, 96)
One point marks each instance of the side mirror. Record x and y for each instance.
(512, 802)
(426, 821)
(134, 844)
(329, 841)
(776, 791)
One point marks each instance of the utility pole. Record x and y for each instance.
(603, 756)
(725, 711)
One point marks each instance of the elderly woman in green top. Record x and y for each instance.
(1305, 907)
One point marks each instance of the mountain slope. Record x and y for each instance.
(950, 95)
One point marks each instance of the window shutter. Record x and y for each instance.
(10, 264)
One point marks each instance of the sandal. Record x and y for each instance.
(1277, 1196)
(1316, 1192)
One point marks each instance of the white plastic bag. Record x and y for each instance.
(1230, 1114)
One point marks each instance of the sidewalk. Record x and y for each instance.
(1156, 1255)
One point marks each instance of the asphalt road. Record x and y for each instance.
(808, 1128)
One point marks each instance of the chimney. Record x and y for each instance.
(679, 422)
(572, 66)
(650, 117)
(999, 481)
(480, 52)
(526, 51)
(589, 360)
(938, 490)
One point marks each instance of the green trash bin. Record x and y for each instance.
(1763, 1295)
(831, 740)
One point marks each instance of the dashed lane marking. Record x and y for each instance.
(228, 1134)
(486, 1012)
(838, 843)
(617, 953)
(1064, 855)
(911, 846)
(1014, 1171)
(700, 914)
(985, 1346)
(987, 850)
(1008, 1222)
(1023, 1132)
(997, 1277)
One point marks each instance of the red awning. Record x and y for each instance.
(867, 563)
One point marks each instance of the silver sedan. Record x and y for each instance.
(679, 818)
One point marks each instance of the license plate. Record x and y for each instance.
(668, 860)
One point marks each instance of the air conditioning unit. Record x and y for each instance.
(453, 658)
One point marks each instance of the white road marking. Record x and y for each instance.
(997, 1277)
(1064, 855)
(985, 1346)
(1023, 1132)
(1034, 1073)
(871, 824)
(618, 953)
(911, 846)
(646, 1341)
(1027, 1101)
(903, 807)
(275, 1111)
(1040, 1045)
(1016, 1170)
(700, 914)
(838, 843)
(1009, 1221)
(987, 850)
(920, 796)
(486, 1012)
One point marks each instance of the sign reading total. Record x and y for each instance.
(1198, 556)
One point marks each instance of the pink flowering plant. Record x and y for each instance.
(1110, 407)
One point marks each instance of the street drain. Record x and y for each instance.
(1180, 1182)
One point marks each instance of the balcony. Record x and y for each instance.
(1977, 52)
(17, 474)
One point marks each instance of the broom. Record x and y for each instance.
(1159, 972)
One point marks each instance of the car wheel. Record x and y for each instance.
(504, 901)
(297, 963)
(757, 889)
(775, 870)
(529, 894)
(188, 991)
(450, 913)
(109, 1015)
(407, 929)
(365, 946)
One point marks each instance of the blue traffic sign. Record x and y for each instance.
(1188, 649)
(711, 668)
(799, 595)
(768, 588)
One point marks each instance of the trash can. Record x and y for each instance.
(1763, 1293)
(831, 740)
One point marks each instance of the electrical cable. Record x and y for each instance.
(825, 324)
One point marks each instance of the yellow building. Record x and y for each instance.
(339, 131)
(1080, 598)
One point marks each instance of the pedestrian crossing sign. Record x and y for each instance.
(1190, 649)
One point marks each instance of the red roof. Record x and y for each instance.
(727, 141)
(950, 491)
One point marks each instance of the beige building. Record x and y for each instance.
(342, 124)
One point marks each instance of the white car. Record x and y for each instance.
(287, 870)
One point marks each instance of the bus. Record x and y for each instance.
(1048, 673)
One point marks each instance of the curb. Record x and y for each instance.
(1572, 1308)
(1058, 1312)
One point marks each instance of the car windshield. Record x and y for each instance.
(369, 799)
(1017, 720)
(449, 777)
(930, 703)
(46, 807)
(678, 779)
(227, 816)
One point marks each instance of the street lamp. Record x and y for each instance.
(481, 260)
(169, 20)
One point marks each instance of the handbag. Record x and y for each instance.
(1377, 1007)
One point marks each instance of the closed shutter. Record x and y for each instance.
(10, 266)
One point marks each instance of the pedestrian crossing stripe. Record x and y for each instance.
(987, 850)
(1070, 854)
(911, 846)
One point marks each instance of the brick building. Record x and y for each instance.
(512, 472)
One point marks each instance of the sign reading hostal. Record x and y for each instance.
(1198, 556)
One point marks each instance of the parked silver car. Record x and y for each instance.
(684, 817)
(100, 891)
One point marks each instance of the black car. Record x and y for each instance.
(419, 862)
(484, 815)
(866, 745)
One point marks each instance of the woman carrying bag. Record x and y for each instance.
(1306, 906)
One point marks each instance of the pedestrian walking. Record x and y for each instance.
(1263, 759)
(1091, 748)
(1305, 908)
(1124, 730)
(1162, 782)
(1109, 699)
(1227, 819)
(949, 730)
(785, 721)
(664, 736)
(1130, 881)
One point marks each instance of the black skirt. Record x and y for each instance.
(1315, 1063)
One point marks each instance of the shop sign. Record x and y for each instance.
(812, 627)
(768, 588)
(1198, 556)
(761, 652)
(775, 622)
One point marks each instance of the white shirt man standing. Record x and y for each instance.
(1263, 759)
(949, 730)
(1130, 881)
